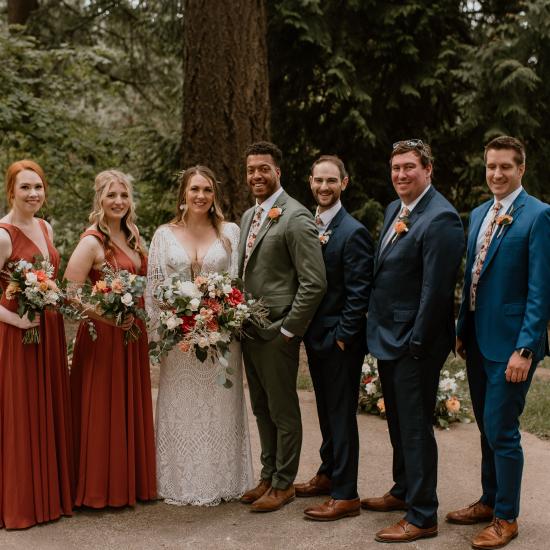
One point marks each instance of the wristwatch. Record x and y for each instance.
(525, 352)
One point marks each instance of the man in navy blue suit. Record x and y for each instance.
(411, 330)
(501, 331)
(336, 344)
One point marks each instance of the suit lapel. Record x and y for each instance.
(332, 226)
(418, 209)
(391, 213)
(516, 209)
(281, 203)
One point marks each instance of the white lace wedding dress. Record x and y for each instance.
(203, 446)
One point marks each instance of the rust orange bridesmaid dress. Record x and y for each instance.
(112, 409)
(36, 466)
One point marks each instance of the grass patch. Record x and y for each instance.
(304, 380)
(536, 416)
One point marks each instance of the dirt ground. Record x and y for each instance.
(232, 526)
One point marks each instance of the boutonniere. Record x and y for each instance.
(324, 237)
(401, 227)
(275, 213)
(504, 220)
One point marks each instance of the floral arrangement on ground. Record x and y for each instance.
(451, 401)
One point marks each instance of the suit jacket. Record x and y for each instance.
(513, 292)
(411, 305)
(285, 267)
(348, 257)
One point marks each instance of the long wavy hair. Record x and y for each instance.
(102, 185)
(19, 166)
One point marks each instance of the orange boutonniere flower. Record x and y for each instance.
(503, 220)
(401, 227)
(324, 237)
(275, 213)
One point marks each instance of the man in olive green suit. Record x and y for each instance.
(280, 261)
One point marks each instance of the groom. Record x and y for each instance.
(280, 261)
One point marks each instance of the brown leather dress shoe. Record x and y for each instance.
(403, 531)
(474, 513)
(496, 535)
(387, 503)
(273, 499)
(254, 494)
(317, 485)
(334, 509)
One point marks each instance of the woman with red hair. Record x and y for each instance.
(36, 466)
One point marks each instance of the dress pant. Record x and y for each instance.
(271, 370)
(336, 376)
(410, 388)
(497, 407)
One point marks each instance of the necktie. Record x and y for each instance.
(405, 212)
(253, 233)
(392, 233)
(319, 223)
(480, 260)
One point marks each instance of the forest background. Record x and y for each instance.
(153, 86)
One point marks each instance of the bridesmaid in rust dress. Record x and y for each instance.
(110, 380)
(36, 467)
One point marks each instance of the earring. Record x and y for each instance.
(211, 209)
(182, 206)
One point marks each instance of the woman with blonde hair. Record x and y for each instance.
(36, 465)
(110, 380)
(203, 447)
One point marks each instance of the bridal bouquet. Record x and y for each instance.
(32, 285)
(114, 296)
(202, 316)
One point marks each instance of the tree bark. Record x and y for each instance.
(225, 91)
(20, 10)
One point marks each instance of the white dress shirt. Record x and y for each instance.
(506, 202)
(391, 231)
(327, 216)
(267, 205)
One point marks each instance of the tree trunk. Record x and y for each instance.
(225, 91)
(20, 10)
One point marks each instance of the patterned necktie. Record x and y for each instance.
(405, 213)
(319, 223)
(253, 233)
(480, 260)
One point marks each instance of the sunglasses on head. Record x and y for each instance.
(409, 143)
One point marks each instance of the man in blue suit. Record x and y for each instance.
(411, 330)
(501, 331)
(336, 344)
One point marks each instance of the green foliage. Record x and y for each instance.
(354, 77)
(55, 110)
(97, 83)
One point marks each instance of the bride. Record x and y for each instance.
(203, 447)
